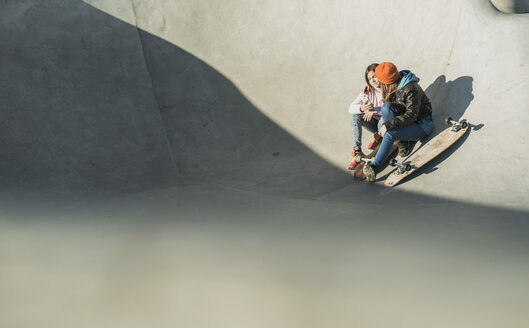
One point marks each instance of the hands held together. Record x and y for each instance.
(367, 109)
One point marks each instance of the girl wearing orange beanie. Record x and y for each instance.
(406, 113)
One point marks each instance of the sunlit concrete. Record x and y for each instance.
(182, 164)
(301, 64)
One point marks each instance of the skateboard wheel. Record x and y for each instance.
(408, 167)
(393, 162)
(449, 120)
(464, 124)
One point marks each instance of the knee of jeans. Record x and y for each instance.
(386, 109)
(356, 117)
(390, 135)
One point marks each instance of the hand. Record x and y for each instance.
(368, 116)
(365, 107)
(383, 130)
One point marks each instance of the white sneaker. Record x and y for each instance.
(371, 176)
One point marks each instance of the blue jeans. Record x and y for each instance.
(412, 132)
(357, 122)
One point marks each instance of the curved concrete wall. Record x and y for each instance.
(214, 139)
(251, 94)
(512, 6)
(301, 64)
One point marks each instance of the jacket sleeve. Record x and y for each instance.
(412, 103)
(354, 108)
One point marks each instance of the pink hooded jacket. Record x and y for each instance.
(375, 97)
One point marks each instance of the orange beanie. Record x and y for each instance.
(387, 73)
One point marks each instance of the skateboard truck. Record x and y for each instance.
(401, 167)
(456, 125)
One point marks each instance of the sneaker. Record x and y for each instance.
(404, 148)
(371, 176)
(375, 141)
(356, 158)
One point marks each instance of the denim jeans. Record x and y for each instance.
(412, 132)
(357, 121)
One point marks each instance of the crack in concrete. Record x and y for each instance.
(455, 40)
(178, 177)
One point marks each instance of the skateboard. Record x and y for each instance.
(427, 152)
(358, 172)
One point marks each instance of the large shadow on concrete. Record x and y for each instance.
(78, 116)
(217, 136)
(90, 105)
(449, 99)
(193, 215)
(93, 107)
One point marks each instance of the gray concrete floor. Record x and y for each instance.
(182, 163)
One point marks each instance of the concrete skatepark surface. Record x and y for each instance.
(182, 163)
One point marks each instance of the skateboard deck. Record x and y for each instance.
(427, 152)
(358, 172)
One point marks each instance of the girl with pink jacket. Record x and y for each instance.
(365, 111)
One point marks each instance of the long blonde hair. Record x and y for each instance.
(370, 68)
(389, 91)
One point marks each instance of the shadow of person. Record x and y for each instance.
(450, 98)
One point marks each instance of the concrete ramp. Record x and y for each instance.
(104, 98)
(301, 65)
(183, 163)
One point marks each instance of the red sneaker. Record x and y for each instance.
(375, 141)
(356, 158)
